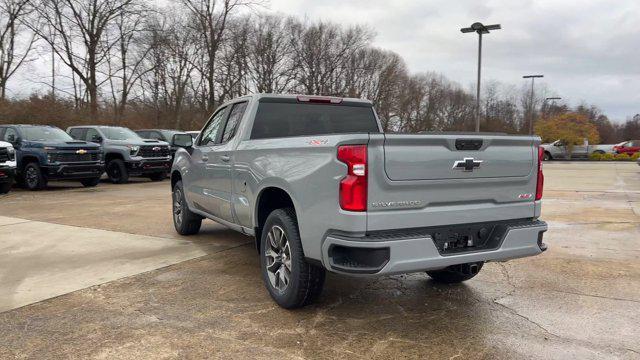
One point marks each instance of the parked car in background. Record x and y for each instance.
(126, 153)
(321, 187)
(162, 135)
(558, 150)
(628, 147)
(46, 153)
(7, 166)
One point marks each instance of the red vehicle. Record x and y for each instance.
(630, 147)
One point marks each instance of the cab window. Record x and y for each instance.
(234, 119)
(92, 135)
(10, 135)
(212, 130)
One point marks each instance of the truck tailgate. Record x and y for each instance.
(444, 179)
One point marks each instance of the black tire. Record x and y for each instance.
(117, 172)
(158, 176)
(91, 182)
(33, 178)
(305, 280)
(546, 156)
(185, 221)
(456, 273)
(5, 187)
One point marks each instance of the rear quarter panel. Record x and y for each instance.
(307, 169)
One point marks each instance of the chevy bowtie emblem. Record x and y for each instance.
(81, 151)
(157, 148)
(467, 164)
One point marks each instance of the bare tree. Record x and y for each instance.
(80, 41)
(14, 48)
(173, 56)
(210, 20)
(269, 55)
(126, 59)
(321, 52)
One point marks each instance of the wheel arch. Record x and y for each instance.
(175, 177)
(269, 198)
(111, 156)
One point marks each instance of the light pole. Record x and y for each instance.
(480, 29)
(544, 105)
(533, 80)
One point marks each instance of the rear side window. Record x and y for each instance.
(286, 119)
(234, 119)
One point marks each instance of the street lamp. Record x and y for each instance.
(480, 29)
(533, 80)
(544, 104)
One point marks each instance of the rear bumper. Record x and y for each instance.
(73, 171)
(405, 254)
(148, 166)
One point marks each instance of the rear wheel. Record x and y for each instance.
(456, 273)
(117, 172)
(33, 178)
(546, 156)
(91, 182)
(291, 281)
(185, 221)
(158, 176)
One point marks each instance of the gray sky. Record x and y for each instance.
(587, 50)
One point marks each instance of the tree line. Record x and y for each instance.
(130, 62)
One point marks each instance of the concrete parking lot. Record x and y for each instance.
(100, 273)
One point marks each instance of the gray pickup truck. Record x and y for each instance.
(126, 153)
(321, 187)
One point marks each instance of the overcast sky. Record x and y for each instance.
(588, 50)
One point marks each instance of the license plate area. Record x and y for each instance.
(467, 238)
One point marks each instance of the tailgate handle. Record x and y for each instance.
(468, 144)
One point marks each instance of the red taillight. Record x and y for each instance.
(540, 184)
(353, 188)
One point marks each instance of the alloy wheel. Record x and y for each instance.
(278, 256)
(177, 206)
(32, 177)
(114, 172)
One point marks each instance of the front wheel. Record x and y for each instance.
(33, 178)
(117, 172)
(291, 281)
(185, 221)
(456, 273)
(546, 156)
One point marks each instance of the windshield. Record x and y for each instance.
(45, 133)
(119, 133)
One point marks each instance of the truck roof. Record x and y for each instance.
(297, 96)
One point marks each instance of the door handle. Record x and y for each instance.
(225, 158)
(205, 158)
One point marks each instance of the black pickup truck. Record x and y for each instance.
(46, 153)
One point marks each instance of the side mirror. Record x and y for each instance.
(14, 140)
(96, 139)
(182, 140)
